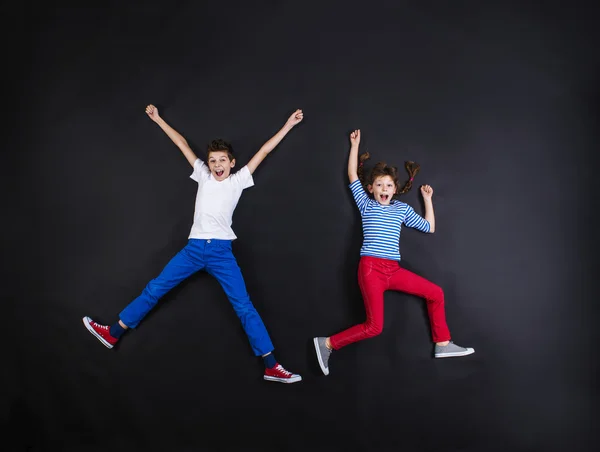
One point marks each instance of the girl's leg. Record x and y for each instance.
(406, 281)
(372, 285)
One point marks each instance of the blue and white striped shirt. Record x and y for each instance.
(382, 224)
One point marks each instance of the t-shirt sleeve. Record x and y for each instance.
(360, 196)
(243, 179)
(413, 220)
(201, 171)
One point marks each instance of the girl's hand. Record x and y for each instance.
(355, 137)
(296, 117)
(152, 111)
(426, 191)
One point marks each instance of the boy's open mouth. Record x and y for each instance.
(219, 173)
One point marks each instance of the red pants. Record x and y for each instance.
(375, 276)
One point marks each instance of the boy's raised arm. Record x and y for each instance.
(266, 148)
(175, 136)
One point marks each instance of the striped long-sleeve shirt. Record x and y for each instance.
(382, 224)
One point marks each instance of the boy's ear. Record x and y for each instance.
(232, 163)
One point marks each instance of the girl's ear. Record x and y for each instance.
(370, 188)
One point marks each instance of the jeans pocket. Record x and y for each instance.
(366, 269)
(224, 245)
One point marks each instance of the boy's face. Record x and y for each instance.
(383, 189)
(220, 165)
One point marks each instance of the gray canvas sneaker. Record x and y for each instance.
(452, 350)
(323, 354)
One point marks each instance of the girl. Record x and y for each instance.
(379, 268)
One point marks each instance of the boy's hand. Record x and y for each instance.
(152, 111)
(296, 117)
(426, 191)
(355, 137)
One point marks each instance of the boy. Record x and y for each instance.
(209, 245)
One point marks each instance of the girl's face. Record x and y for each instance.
(383, 189)
(220, 165)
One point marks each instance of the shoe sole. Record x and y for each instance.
(86, 322)
(469, 351)
(319, 357)
(284, 380)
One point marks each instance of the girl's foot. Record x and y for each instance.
(323, 353)
(452, 350)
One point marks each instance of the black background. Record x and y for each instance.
(498, 103)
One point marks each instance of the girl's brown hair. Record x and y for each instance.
(382, 169)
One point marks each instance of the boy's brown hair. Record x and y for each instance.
(219, 145)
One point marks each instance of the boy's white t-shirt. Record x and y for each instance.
(216, 201)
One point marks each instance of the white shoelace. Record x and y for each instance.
(282, 370)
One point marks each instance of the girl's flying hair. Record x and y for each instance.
(382, 169)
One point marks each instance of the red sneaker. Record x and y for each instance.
(278, 373)
(102, 332)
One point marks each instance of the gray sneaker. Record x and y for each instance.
(451, 350)
(323, 354)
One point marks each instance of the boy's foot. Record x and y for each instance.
(102, 332)
(278, 373)
(451, 350)
(323, 354)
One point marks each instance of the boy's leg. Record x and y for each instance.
(184, 264)
(181, 266)
(221, 263)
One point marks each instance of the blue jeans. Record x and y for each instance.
(216, 257)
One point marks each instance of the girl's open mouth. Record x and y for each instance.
(385, 197)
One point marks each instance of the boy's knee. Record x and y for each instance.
(242, 305)
(153, 292)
